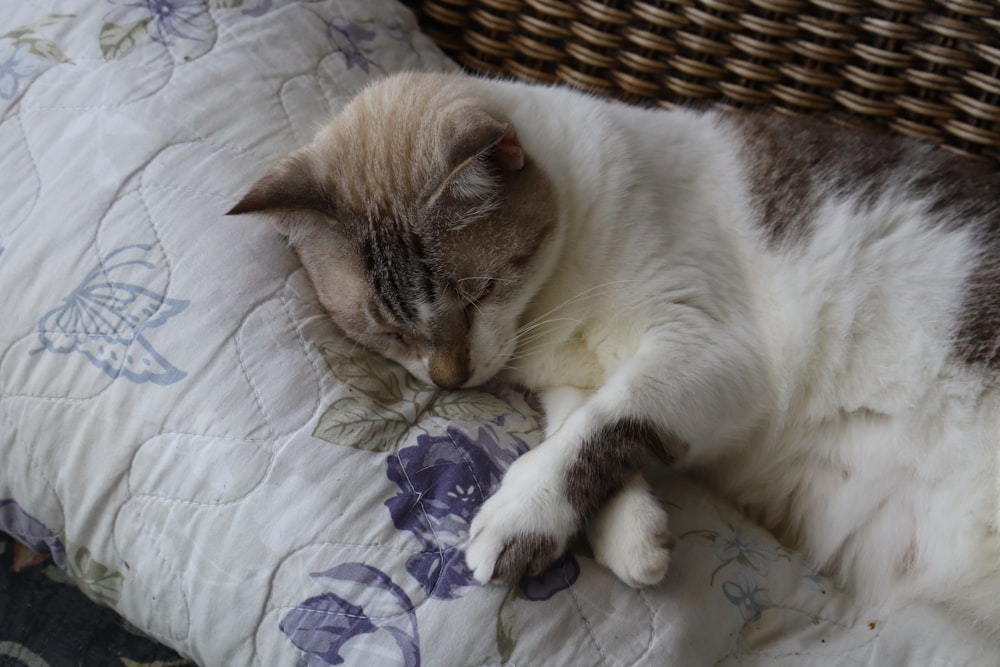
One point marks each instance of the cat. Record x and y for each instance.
(804, 316)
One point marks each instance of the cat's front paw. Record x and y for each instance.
(629, 536)
(522, 529)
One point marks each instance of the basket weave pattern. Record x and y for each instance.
(926, 69)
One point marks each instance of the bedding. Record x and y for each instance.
(193, 444)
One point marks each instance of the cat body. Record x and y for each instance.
(802, 316)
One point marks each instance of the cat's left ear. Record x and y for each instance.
(288, 187)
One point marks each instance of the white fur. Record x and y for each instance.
(814, 384)
(629, 535)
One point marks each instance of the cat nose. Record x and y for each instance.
(448, 370)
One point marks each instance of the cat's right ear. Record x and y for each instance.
(477, 132)
(290, 186)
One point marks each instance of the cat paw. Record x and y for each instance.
(629, 536)
(522, 529)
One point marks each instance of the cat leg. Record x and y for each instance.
(550, 492)
(523, 527)
(629, 535)
(653, 405)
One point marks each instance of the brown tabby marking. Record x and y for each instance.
(525, 554)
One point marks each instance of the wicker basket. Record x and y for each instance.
(926, 69)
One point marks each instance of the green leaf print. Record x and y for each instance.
(43, 48)
(96, 580)
(474, 406)
(117, 41)
(385, 402)
(505, 615)
(358, 423)
(39, 46)
(375, 377)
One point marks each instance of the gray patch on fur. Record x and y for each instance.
(966, 195)
(525, 554)
(792, 164)
(609, 457)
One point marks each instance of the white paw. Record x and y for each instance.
(523, 528)
(629, 536)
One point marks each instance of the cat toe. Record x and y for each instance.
(493, 554)
(518, 532)
(645, 567)
(629, 536)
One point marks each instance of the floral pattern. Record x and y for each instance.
(187, 29)
(442, 480)
(744, 563)
(13, 69)
(322, 625)
(106, 320)
(23, 49)
(746, 594)
(352, 39)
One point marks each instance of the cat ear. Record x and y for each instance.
(478, 132)
(476, 141)
(289, 186)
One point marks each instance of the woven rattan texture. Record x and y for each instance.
(927, 69)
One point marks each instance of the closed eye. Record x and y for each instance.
(487, 289)
(479, 291)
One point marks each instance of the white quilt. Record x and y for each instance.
(185, 432)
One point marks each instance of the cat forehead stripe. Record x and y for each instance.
(400, 275)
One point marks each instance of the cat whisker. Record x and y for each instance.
(523, 331)
(503, 280)
(523, 351)
(591, 292)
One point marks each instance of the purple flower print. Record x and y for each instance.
(563, 574)
(736, 547)
(31, 532)
(749, 597)
(185, 19)
(167, 20)
(349, 38)
(184, 27)
(323, 625)
(443, 481)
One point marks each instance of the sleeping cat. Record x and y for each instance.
(804, 316)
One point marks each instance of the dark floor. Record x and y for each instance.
(45, 622)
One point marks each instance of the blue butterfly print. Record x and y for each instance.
(106, 321)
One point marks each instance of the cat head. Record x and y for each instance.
(422, 222)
